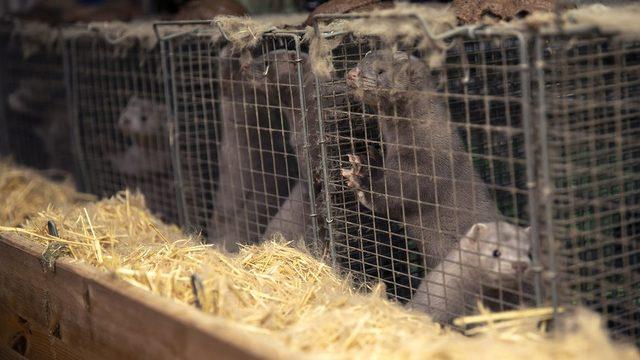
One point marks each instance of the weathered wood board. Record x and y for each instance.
(78, 312)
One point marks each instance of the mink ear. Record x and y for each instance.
(400, 56)
(226, 52)
(476, 231)
(527, 230)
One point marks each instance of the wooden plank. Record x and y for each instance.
(19, 337)
(8, 354)
(85, 313)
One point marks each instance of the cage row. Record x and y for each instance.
(454, 165)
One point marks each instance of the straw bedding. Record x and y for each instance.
(281, 294)
(24, 192)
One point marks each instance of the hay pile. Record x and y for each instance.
(24, 192)
(285, 296)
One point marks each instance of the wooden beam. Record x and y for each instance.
(80, 312)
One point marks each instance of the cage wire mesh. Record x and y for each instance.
(550, 125)
(35, 122)
(589, 88)
(381, 157)
(240, 136)
(191, 88)
(371, 247)
(120, 115)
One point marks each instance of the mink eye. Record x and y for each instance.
(529, 255)
(496, 253)
(380, 72)
(143, 118)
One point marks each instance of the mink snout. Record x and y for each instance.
(352, 77)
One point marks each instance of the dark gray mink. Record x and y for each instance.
(254, 167)
(275, 75)
(424, 178)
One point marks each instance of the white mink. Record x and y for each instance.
(143, 118)
(145, 123)
(137, 160)
(490, 255)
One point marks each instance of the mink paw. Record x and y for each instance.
(354, 177)
(353, 174)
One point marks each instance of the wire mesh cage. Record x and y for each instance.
(589, 91)
(35, 122)
(416, 158)
(241, 132)
(505, 171)
(120, 115)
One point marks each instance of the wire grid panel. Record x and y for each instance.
(240, 137)
(590, 89)
(120, 116)
(191, 87)
(415, 158)
(34, 104)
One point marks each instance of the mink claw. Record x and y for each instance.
(347, 173)
(356, 164)
(351, 178)
(354, 173)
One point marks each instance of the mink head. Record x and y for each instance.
(383, 78)
(32, 96)
(503, 249)
(142, 117)
(276, 68)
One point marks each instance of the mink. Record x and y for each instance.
(491, 256)
(425, 179)
(256, 170)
